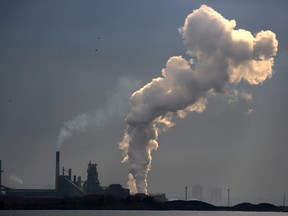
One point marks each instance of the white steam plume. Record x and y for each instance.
(14, 177)
(115, 106)
(220, 54)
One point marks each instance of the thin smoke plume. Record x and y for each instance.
(116, 105)
(239, 99)
(14, 177)
(236, 95)
(220, 55)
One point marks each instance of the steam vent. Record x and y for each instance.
(68, 186)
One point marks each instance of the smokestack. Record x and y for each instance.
(79, 181)
(74, 180)
(1, 177)
(70, 174)
(57, 169)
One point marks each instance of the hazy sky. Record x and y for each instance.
(63, 61)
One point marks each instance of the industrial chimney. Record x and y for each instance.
(70, 174)
(57, 169)
(0, 178)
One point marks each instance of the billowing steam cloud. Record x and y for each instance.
(115, 106)
(220, 55)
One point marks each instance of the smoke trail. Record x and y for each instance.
(241, 100)
(220, 55)
(14, 177)
(235, 95)
(116, 105)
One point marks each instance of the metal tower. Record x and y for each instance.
(92, 184)
(228, 190)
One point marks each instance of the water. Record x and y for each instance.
(129, 213)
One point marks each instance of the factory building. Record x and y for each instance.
(116, 190)
(65, 186)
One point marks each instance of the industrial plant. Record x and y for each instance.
(68, 186)
(71, 192)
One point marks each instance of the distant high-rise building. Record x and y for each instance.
(216, 196)
(197, 192)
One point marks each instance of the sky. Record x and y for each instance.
(74, 64)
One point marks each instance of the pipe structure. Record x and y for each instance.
(79, 181)
(70, 174)
(228, 190)
(74, 180)
(57, 169)
(1, 177)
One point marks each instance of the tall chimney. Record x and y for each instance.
(74, 180)
(0, 178)
(79, 181)
(70, 173)
(57, 169)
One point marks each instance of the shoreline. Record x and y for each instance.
(96, 202)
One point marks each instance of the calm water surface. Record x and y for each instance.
(130, 213)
